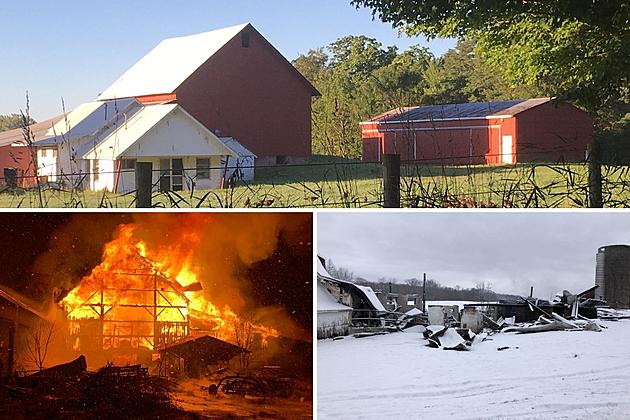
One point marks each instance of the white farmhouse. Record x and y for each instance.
(96, 146)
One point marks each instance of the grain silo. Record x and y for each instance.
(612, 275)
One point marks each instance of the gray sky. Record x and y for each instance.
(549, 250)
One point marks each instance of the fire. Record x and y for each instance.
(145, 297)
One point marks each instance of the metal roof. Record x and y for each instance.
(206, 347)
(39, 131)
(169, 64)
(237, 147)
(476, 110)
(117, 142)
(91, 119)
(22, 301)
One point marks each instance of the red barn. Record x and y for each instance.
(481, 133)
(235, 83)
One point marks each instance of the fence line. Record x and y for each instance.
(407, 189)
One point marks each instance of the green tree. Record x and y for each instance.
(575, 49)
(11, 121)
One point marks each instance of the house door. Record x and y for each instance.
(506, 150)
(171, 174)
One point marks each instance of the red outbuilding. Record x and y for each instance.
(505, 132)
(16, 155)
(235, 83)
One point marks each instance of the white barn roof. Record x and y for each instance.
(169, 64)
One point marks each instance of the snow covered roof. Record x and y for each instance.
(365, 290)
(169, 64)
(321, 270)
(326, 302)
(237, 147)
(369, 293)
(413, 311)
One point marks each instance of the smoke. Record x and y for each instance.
(217, 247)
(73, 250)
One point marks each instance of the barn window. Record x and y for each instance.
(203, 168)
(128, 164)
(281, 160)
(96, 170)
(245, 39)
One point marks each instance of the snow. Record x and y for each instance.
(321, 270)
(413, 311)
(558, 374)
(326, 301)
(369, 293)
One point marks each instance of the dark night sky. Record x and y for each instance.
(284, 279)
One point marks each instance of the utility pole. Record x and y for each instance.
(424, 293)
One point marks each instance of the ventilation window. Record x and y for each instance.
(245, 39)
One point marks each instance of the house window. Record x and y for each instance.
(96, 170)
(128, 164)
(411, 302)
(44, 153)
(54, 153)
(203, 168)
(245, 39)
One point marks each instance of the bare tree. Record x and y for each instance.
(413, 282)
(37, 342)
(243, 332)
(29, 139)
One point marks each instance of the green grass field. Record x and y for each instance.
(340, 183)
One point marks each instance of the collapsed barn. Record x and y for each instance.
(345, 307)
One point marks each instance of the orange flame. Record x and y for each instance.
(140, 293)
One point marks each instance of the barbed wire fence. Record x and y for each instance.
(426, 182)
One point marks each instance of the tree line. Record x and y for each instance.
(514, 50)
(482, 291)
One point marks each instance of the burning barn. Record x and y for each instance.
(130, 306)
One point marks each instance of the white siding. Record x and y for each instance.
(332, 324)
(47, 163)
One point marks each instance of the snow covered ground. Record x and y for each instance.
(558, 374)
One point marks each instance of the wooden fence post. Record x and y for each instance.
(595, 198)
(391, 181)
(144, 181)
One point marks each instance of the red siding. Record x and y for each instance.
(542, 133)
(253, 95)
(449, 142)
(20, 159)
(553, 134)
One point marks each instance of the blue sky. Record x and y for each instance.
(75, 49)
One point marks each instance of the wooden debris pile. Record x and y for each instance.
(69, 390)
